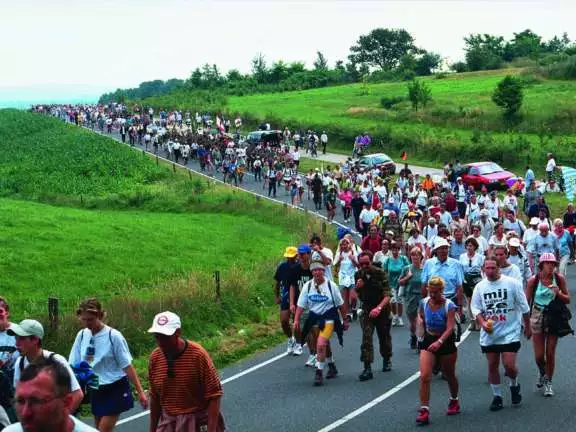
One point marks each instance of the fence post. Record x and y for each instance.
(53, 311)
(190, 174)
(323, 227)
(174, 166)
(157, 161)
(217, 280)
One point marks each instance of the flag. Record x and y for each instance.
(569, 175)
(375, 200)
(220, 124)
(404, 156)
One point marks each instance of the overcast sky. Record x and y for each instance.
(70, 49)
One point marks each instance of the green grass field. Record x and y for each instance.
(85, 216)
(461, 122)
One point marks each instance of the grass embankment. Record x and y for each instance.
(461, 122)
(85, 216)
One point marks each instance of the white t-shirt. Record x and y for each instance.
(512, 271)
(78, 427)
(57, 358)
(367, 216)
(504, 302)
(550, 165)
(8, 351)
(529, 235)
(322, 301)
(482, 244)
(347, 268)
(111, 353)
(328, 254)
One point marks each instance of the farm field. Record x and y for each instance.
(462, 121)
(111, 223)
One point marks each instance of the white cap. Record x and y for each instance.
(28, 327)
(440, 242)
(484, 212)
(515, 242)
(165, 323)
(534, 221)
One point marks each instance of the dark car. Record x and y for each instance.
(378, 160)
(488, 174)
(272, 137)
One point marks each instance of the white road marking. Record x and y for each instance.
(380, 398)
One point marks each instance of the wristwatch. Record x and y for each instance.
(441, 341)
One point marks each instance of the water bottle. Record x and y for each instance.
(90, 351)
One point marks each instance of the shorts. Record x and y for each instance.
(513, 347)
(447, 348)
(112, 399)
(537, 320)
(397, 297)
(285, 299)
(328, 329)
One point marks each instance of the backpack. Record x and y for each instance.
(458, 325)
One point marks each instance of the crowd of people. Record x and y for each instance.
(45, 390)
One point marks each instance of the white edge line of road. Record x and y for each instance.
(380, 398)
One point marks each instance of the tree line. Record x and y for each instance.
(383, 54)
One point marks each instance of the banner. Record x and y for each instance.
(569, 175)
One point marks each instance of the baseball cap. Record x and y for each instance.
(440, 242)
(290, 252)
(515, 242)
(547, 257)
(543, 225)
(317, 264)
(28, 327)
(430, 220)
(484, 212)
(534, 221)
(455, 213)
(304, 248)
(165, 323)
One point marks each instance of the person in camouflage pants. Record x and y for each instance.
(374, 292)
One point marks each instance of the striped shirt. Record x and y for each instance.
(194, 384)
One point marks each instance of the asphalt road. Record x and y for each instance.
(274, 392)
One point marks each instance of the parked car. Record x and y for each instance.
(272, 137)
(488, 174)
(378, 160)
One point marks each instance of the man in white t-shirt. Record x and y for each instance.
(325, 254)
(29, 334)
(44, 400)
(499, 305)
(550, 166)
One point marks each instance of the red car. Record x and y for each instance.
(488, 174)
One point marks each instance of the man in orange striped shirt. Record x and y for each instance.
(185, 388)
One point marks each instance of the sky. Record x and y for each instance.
(70, 50)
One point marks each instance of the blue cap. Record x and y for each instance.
(304, 248)
(455, 213)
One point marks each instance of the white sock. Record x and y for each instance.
(425, 407)
(320, 366)
(496, 389)
(513, 381)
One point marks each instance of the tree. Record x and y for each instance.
(508, 96)
(459, 67)
(234, 75)
(259, 69)
(419, 94)
(382, 48)
(278, 72)
(320, 64)
(557, 45)
(427, 63)
(526, 44)
(484, 51)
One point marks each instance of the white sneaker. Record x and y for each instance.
(359, 311)
(290, 346)
(548, 392)
(399, 322)
(311, 362)
(541, 381)
(394, 321)
(297, 351)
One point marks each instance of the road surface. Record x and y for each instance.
(274, 392)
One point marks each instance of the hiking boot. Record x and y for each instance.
(453, 407)
(332, 371)
(386, 366)
(319, 378)
(366, 375)
(423, 417)
(496, 404)
(515, 394)
(413, 342)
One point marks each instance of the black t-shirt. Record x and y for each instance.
(299, 277)
(283, 274)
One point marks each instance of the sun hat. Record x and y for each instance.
(547, 257)
(165, 323)
(28, 327)
(440, 242)
(290, 252)
(534, 221)
(514, 242)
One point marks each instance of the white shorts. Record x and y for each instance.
(398, 295)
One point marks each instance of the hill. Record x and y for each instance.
(86, 216)
(461, 122)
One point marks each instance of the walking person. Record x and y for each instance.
(271, 176)
(374, 292)
(185, 388)
(472, 263)
(283, 278)
(324, 141)
(564, 242)
(411, 288)
(326, 306)
(346, 261)
(547, 293)
(393, 267)
(499, 306)
(437, 320)
(106, 351)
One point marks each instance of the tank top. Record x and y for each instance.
(436, 320)
(543, 295)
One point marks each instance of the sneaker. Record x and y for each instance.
(395, 321)
(548, 392)
(311, 362)
(318, 378)
(399, 322)
(541, 381)
(297, 351)
(515, 394)
(359, 312)
(387, 366)
(332, 371)
(290, 347)
(453, 407)
(366, 375)
(413, 342)
(423, 417)
(496, 404)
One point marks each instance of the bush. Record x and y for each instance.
(459, 67)
(564, 70)
(389, 102)
(441, 75)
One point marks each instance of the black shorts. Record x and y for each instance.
(112, 399)
(447, 348)
(513, 347)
